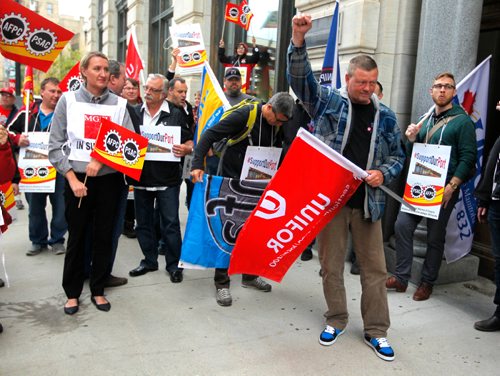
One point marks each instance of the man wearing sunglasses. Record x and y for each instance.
(449, 125)
(353, 122)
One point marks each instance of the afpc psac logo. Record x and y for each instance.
(273, 205)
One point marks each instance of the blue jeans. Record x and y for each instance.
(494, 223)
(167, 202)
(38, 225)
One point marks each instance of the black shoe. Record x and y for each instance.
(176, 276)
(141, 270)
(161, 251)
(129, 230)
(306, 255)
(71, 310)
(489, 325)
(2, 283)
(113, 281)
(101, 307)
(1, 328)
(355, 268)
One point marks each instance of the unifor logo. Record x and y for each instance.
(272, 206)
(228, 204)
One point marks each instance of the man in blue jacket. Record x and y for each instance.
(353, 122)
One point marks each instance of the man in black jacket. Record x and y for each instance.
(160, 181)
(269, 118)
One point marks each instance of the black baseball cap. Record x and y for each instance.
(232, 73)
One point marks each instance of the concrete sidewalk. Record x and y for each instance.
(159, 328)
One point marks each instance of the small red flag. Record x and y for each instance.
(239, 14)
(28, 38)
(120, 148)
(133, 61)
(72, 81)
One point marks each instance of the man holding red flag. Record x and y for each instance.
(353, 122)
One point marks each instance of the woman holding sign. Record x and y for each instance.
(92, 188)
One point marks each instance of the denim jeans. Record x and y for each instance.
(494, 223)
(38, 225)
(167, 202)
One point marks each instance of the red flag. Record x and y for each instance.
(121, 149)
(239, 14)
(133, 61)
(72, 81)
(289, 216)
(28, 38)
(28, 85)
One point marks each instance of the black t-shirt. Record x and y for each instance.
(358, 145)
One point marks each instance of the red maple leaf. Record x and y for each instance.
(468, 102)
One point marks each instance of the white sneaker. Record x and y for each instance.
(257, 283)
(58, 249)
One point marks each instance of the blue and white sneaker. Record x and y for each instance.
(381, 347)
(329, 335)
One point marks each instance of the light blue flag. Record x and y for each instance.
(219, 207)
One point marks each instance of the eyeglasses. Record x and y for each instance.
(148, 88)
(443, 86)
(131, 88)
(278, 119)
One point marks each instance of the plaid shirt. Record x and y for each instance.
(331, 113)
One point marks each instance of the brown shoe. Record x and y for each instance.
(423, 292)
(393, 283)
(113, 281)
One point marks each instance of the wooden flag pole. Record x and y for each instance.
(27, 105)
(84, 183)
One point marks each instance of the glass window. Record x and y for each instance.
(121, 7)
(267, 76)
(50, 9)
(100, 29)
(161, 15)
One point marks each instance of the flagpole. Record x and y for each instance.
(223, 28)
(84, 183)
(27, 105)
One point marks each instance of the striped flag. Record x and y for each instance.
(28, 87)
(28, 38)
(120, 148)
(330, 73)
(213, 102)
(133, 60)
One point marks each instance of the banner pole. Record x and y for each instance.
(27, 105)
(84, 183)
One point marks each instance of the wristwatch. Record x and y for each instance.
(453, 185)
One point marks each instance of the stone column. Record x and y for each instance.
(448, 41)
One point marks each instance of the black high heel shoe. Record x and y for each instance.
(101, 307)
(72, 310)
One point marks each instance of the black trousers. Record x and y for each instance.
(98, 208)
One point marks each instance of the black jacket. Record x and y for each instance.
(159, 173)
(490, 178)
(231, 126)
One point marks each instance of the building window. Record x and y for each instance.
(100, 28)
(161, 14)
(50, 9)
(121, 10)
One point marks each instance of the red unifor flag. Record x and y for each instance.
(311, 186)
(72, 81)
(239, 14)
(133, 61)
(28, 38)
(121, 149)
